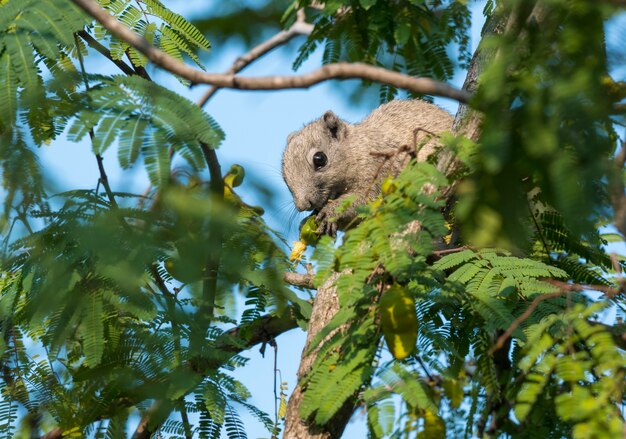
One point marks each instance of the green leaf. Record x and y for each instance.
(366, 4)
(93, 331)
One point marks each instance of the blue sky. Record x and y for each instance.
(256, 125)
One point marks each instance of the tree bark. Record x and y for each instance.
(325, 306)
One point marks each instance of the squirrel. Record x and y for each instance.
(330, 160)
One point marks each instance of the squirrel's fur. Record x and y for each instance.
(358, 157)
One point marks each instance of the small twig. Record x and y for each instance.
(448, 251)
(103, 175)
(143, 430)
(94, 44)
(104, 179)
(386, 157)
(564, 288)
(160, 282)
(377, 271)
(330, 71)
(519, 320)
(300, 27)
(425, 369)
(139, 70)
(55, 433)
(609, 292)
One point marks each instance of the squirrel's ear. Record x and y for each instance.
(336, 127)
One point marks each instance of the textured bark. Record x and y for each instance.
(324, 309)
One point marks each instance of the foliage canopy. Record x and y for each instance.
(118, 306)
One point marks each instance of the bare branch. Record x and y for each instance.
(281, 38)
(94, 44)
(330, 71)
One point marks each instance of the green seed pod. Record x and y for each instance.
(399, 321)
(308, 231)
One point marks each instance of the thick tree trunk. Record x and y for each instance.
(325, 307)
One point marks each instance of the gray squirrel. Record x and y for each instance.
(330, 160)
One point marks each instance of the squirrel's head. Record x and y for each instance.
(314, 162)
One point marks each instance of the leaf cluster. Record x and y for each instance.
(411, 36)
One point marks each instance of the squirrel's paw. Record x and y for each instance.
(327, 221)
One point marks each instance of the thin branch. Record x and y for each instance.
(94, 44)
(563, 287)
(609, 292)
(185, 418)
(209, 285)
(518, 321)
(103, 175)
(104, 179)
(298, 28)
(160, 410)
(330, 71)
(447, 251)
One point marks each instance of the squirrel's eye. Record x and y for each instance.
(319, 160)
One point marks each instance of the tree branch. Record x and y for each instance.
(94, 44)
(300, 27)
(262, 330)
(104, 179)
(564, 288)
(209, 285)
(330, 71)
(520, 319)
(609, 292)
(299, 280)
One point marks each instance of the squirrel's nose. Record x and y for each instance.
(304, 204)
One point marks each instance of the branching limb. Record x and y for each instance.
(300, 27)
(331, 71)
(564, 288)
(519, 320)
(263, 329)
(104, 179)
(94, 44)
